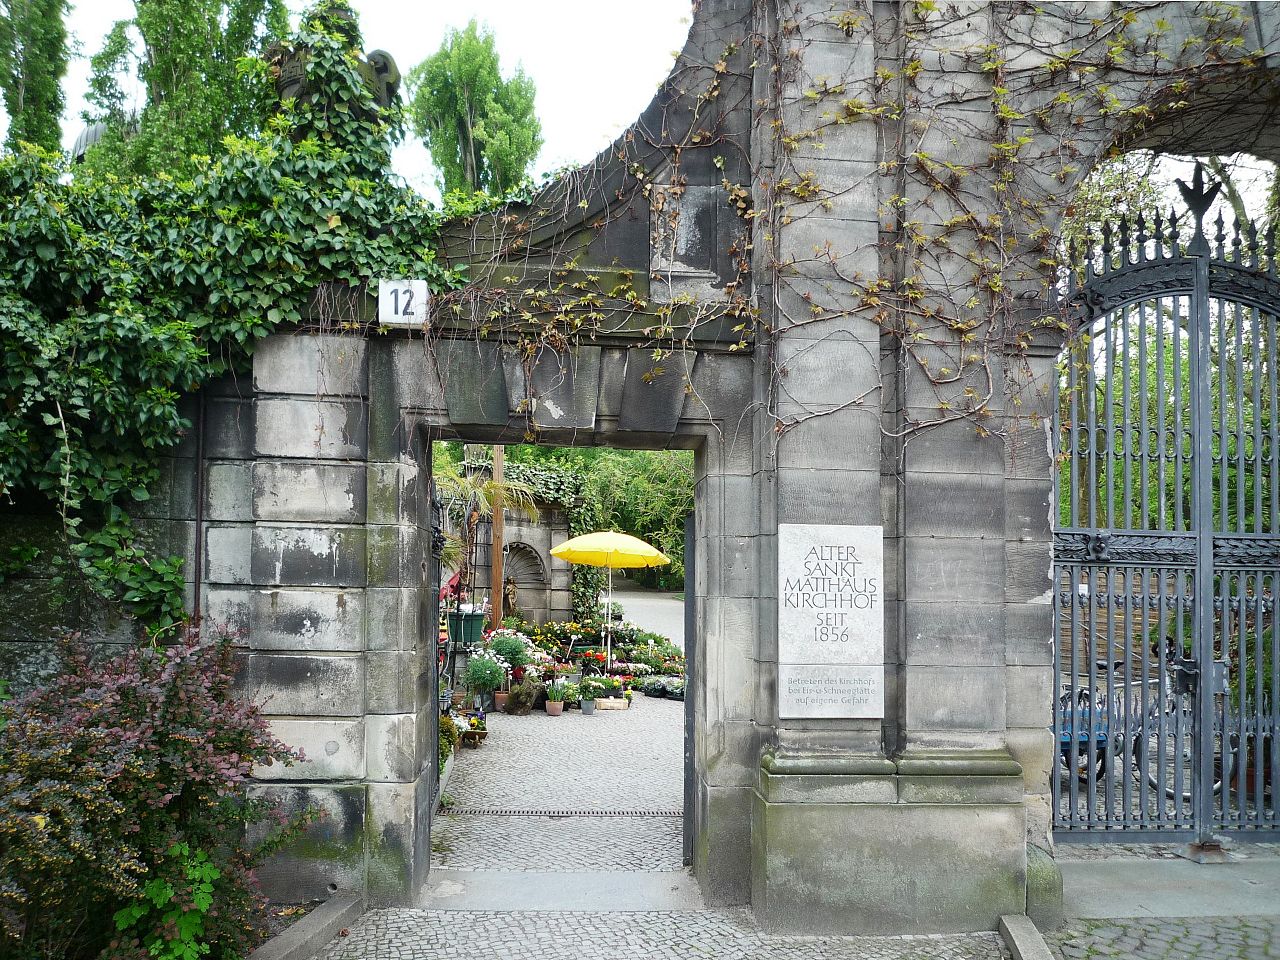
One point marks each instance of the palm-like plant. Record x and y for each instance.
(473, 495)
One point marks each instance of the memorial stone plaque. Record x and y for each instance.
(830, 620)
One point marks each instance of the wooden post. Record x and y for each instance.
(496, 595)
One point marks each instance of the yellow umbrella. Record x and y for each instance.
(617, 551)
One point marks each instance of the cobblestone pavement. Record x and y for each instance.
(614, 760)
(558, 775)
(488, 842)
(706, 935)
(617, 760)
(1156, 851)
(1163, 938)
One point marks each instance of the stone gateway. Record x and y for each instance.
(821, 259)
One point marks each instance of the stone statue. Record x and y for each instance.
(509, 591)
(378, 69)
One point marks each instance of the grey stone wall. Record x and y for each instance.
(316, 543)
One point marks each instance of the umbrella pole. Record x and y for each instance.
(608, 612)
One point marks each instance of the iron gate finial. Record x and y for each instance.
(1199, 198)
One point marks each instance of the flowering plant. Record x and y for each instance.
(595, 687)
(561, 691)
(635, 669)
(486, 670)
(477, 721)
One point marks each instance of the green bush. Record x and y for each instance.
(511, 646)
(485, 672)
(123, 809)
(449, 735)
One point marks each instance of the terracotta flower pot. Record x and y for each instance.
(500, 698)
(555, 708)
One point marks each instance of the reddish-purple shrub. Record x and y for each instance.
(103, 773)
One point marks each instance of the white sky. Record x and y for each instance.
(596, 63)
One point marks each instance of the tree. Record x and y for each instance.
(33, 61)
(481, 130)
(198, 64)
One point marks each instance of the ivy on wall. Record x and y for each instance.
(117, 296)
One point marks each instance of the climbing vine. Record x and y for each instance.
(960, 148)
(119, 296)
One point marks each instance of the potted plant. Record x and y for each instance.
(485, 673)
(590, 690)
(556, 696)
(475, 731)
(513, 647)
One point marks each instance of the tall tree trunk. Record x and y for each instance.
(496, 595)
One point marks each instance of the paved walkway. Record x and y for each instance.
(600, 793)
(1137, 902)
(653, 610)
(563, 840)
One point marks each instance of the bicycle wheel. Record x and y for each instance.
(1166, 755)
(1073, 760)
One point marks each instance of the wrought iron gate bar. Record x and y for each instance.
(1167, 532)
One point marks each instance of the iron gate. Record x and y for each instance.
(1167, 532)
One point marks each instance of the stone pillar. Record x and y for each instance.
(312, 551)
(913, 822)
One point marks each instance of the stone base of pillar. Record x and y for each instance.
(373, 839)
(928, 843)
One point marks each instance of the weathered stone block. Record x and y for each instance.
(230, 608)
(1027, 509)
(954, 698)
(393, 682)
(309, 556)
(873, 868)
(565, 387)
(654, 391)
(1029, 701)
(311, 365)
(308, 620)
(330, 855)
(228, 491)
(295, 684)
(475, 383)
(954, 505)
(1028, 565)
(722, 851)
(314, 429)
(396, 824)
(828, 496)
(721, 388)
(820, 376)
(1029, 633)
(944, 568)
(334, 750)
(953, 632)
(229, 428)
(392, 621)
(227, 554)
(390, 748)
(319, 492)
